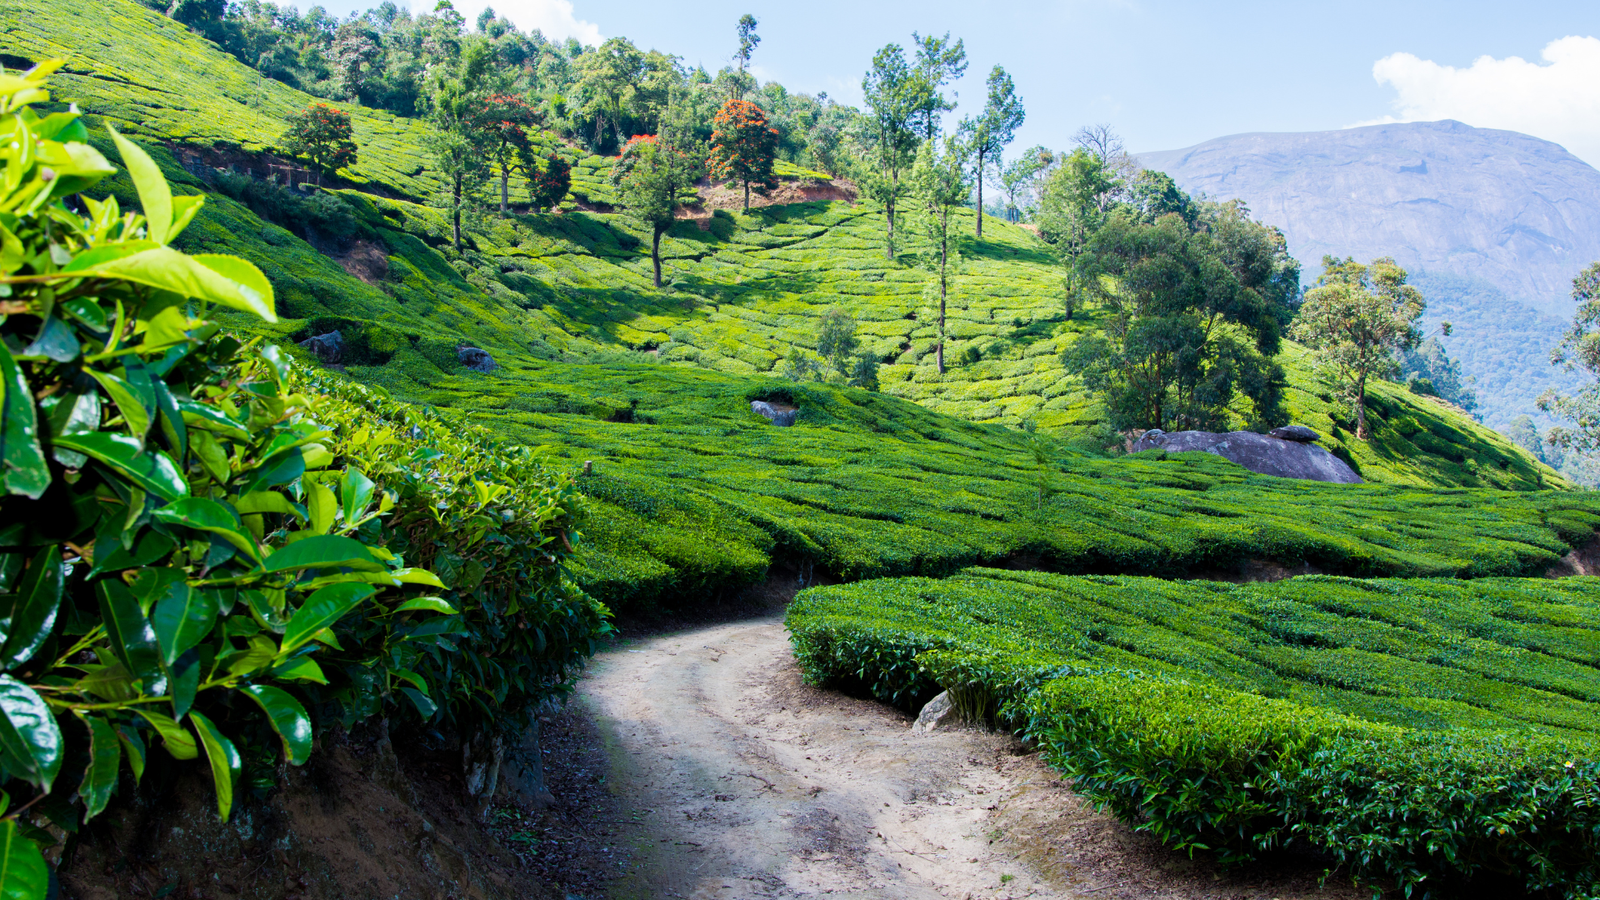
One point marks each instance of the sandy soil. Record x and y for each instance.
(746, 783)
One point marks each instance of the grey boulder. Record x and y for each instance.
(1297, 433)
(328, 348)
(940, 712)
(475, 359)
(776, 414)
(1256, 452)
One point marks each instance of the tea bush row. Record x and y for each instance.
(1420, 730)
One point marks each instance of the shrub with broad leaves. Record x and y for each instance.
(198, 539)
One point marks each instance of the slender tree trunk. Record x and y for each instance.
(943, 283)
(747, 196)
(505, 193)
(980, 193)
(655, 252)
(455, 210)
(894, 188)
(1361, 408)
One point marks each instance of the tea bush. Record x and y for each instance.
(198, 541)
(1419, 729)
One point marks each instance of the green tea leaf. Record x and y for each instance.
(202, 514)
(225, 762)
(424, 705)
(321, 610)
(288, 719)
(132, 639)
(266, 502)
(74, 414)
(184, 677)
(355, 489)
(133, 746)
(200, 415)
(109, 682)
(155, 197)
(212, 457)
(153, 471)
(417, 576)
(177, 739)
(203, 277)
(38, 600)
(56, 341)
(133, 408)
(183, 617)
(322, 552)
(30, 742)
(303, 668)
(427, 604)
(21, 457)
(183, 210)
(105, 758)
(23, 874)
(323, 506)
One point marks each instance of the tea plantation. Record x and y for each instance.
(744, 292)
(1437, 719)
(1410, 729)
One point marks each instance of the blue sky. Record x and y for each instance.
(1164, 74)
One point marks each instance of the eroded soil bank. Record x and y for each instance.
(730, 778)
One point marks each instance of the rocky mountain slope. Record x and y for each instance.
(1494, 223)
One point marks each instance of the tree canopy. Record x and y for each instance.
(1357, 317)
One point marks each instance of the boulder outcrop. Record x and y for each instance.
(775, 413)
(477, 360)
(1264, 454)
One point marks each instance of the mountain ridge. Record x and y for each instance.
(1495, 222)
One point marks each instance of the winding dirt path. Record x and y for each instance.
(742, 782)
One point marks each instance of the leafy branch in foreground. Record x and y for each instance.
(176, 545)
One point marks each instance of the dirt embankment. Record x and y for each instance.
(733, 779)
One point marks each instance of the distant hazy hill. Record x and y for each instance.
(1494, 224)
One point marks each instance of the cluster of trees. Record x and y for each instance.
(387, 58)
(1200, 296)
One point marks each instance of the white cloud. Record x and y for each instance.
(555, 18)
(1558, 101)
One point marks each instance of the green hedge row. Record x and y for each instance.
(1420, 730)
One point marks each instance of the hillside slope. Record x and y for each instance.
(745, 289)
(1494, 223)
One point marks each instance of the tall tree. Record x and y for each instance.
(655, 174)
(322, 136)
(894, 96)
(609, 77)
(1357, 318)
(940, 188)
(1194, 316)
(458, 149)
(505, 120)
(1579, 350)
(1018, 177)
(938, 62)
(987, 135)
(1072, 207)
(748, 39)
(743, 147)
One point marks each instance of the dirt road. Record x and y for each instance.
(746, 783)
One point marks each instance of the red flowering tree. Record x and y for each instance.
(321, 135)
(743, 148)
(506, 120)
(549, 183)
